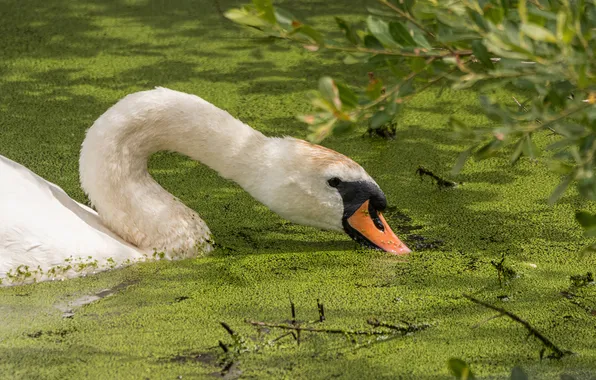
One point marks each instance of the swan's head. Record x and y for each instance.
(319, 187)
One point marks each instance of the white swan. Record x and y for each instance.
(44, 234)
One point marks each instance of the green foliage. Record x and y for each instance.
(460, 369)
(542, 50)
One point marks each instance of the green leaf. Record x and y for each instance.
(461, 130)
(538, 33)
(347, 97)
(266, 8)
(380, 29)
(482, 54)
(329, 91)
(401, 34)
(522, 9)
(586, 219)
(519, 148)
(461, 160)
(284, 18)
(342, 127)
(529, 147)
(321, 131)
(560, 190)
(494, 111)
(315, 119)
(350, 34)
(564, 32)
(371, 42)
(406, 88)
(478, 19)
(518, 374)
(374, 89)
(417, 64)
(393, 108)
(355, 58)
(488, 150)
(494, 14)
(310, 32)
(560, 167)
(379, 119)
(460, 369)
(587, 188)
(418, 36)
(570, 129)
(241, 16)
(404, 5)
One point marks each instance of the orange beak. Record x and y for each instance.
(382, 238)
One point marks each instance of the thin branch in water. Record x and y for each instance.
(404, 330)
(504, 273)
(321, 309)
(293, 309)
(313, 329)
(557, 353)
(228, 328)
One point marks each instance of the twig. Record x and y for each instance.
(408, 329)
(313, 329)
(504, 273)
(293, 308)
(395, 89)
(562, 116)
(415, 22)
(282, 336)
(423, 53)
(228, 328)
(557, 353)
(321, 311)
(224, 347)
(397, 53)
(523, 108)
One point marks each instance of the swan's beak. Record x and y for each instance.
(373, 227)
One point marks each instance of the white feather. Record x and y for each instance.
(44, 234)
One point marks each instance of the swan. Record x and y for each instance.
(46, 235)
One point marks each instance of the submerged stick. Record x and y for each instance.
(557, 352)
(313, 329)
(408, 329)
(321, 311)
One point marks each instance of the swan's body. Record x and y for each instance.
(44, 234)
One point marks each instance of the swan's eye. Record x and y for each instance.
(334, 182)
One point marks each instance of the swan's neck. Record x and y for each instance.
(113, 165)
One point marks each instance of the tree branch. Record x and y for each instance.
(415, 22)
(557, 353)
(313, 329)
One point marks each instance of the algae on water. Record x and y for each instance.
(67, 62)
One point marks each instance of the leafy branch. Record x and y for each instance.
(543, 49)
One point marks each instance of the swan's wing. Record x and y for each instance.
(42, 228)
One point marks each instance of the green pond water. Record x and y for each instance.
(64, 63)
